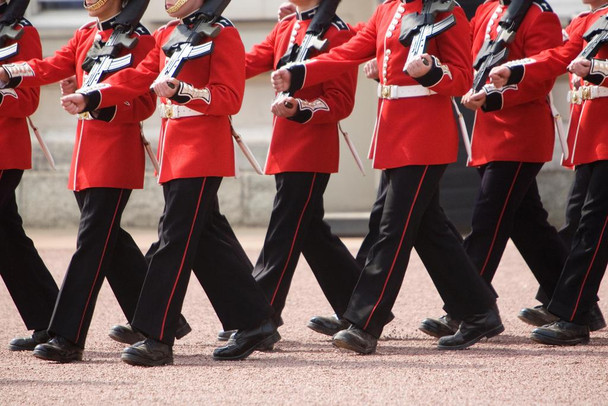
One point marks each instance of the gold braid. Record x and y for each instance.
(95, 6)
(176, 6)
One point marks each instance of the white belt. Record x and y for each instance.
(586, 93)
(401, 92)
(177, 111)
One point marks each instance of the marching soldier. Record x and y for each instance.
(196, 152)
(304, 151)
(575, 295)
(26, 277)
(513, 136)
(107, 163)
(413, 149)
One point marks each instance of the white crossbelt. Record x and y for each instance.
(586, 93)
(402, 92)
(173, 111)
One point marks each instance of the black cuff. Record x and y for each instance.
(13, 82)
(106, 114)
(92, 100)
(595, 78)
(517, 74)
(493, 102)
(301, 116)
(178, 97)
(432, 77)
(298, 74)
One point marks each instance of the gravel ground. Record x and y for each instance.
(305, 368)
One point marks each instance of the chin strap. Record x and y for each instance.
(176, 6)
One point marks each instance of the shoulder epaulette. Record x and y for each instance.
(141, 30)
(544, 6)
(339, 24)
(224, 22)
(24, 23)
(88, 25)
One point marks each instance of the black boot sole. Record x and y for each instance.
(346, 345)
(321, 329)
(263, 345)
(225, 335)
(15, 347)
(433, 331)
(138, 360)
(52, 356)
(543, 339)
(126, 338)
(488, 334)
(533, 320)
(182, 331)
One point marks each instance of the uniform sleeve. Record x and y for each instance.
(126, 84)
(138, 108)
(549, 63)
(357, 50)
(261, 57)
(22, 102)
(452, 72)
(37, 72)
(543, 33)
(224, 92)
(338, 95)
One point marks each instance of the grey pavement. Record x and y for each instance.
(305, 368)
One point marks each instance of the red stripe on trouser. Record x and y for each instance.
(407, 222)
(1, 172)
(103, 253)
(293, 242)
(580, 293)
(181, 265)
(483, 268)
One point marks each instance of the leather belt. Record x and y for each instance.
(586, 93)
(401, 92)
(173, 111)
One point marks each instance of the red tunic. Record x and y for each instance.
(195, 146)
(518, 126)
(16, 105)
(588, 133)
(416, 130)
(106, 154)
(310, 142)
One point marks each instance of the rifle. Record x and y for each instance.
(101, 60)
(183, 43)
(12, 15)
(313, 39)
(418, 28)
(493, 52)
(595, 36)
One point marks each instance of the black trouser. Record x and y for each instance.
(374, 227)
(412, 215)
(103, 250)
(507, 206)
(576, 291)
(27, 279)
(574, 207)
(297, 226)
(194, 235)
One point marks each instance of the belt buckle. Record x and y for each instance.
(168, 110)
(84, 116)
(386, 92)
(574, 97)
(586, 93)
